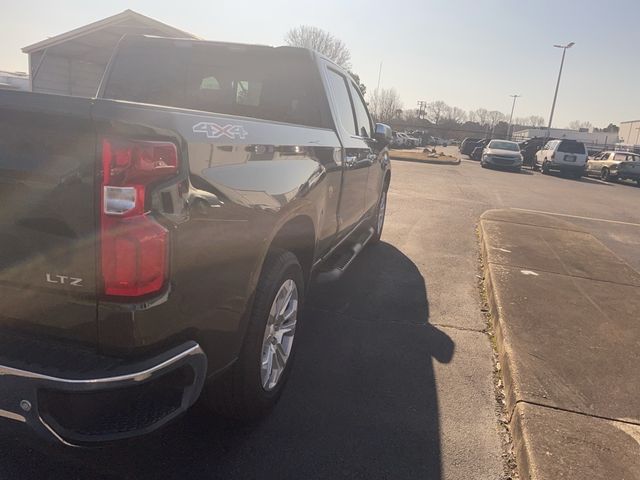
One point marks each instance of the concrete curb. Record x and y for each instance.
(549, 440)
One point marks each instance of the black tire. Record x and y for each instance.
(605, 175)
(377, 227)
(545, 168)
(239, 393)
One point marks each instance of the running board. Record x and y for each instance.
(343, 261)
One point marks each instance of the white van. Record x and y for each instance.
(567, 156)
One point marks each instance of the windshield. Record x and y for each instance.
(499, 145)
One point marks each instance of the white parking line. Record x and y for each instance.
(578, 216)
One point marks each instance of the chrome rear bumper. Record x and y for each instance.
(98, 407)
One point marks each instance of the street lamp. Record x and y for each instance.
(513, 106)
(555, 96)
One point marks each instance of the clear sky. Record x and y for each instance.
(468, 53)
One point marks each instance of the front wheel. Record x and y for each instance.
(605, 175)
(254, 384)
(545, 168)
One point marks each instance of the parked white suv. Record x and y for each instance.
(567, 156)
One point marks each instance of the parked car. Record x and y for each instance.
(413, 141)
(476, 154)
(566, 156)
(158, 241)
(397, 141)
(529, 148)
(611, 166)
(404, 140)
(502, 154)
(467, 145)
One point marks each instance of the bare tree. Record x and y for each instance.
(436, 111)
(494, 116)
(384, 104)
(456, 115)
(536, 121)
(472, 116)
(577, 125)
(482, 114)
(321, 41)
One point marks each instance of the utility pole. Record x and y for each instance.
(379, 76)
(421, 108)
(555, 95)
(513, 106)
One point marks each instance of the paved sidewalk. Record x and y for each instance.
(566, 313)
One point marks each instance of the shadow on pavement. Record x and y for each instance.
(361, 402)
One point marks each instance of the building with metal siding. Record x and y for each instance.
(72, 63)
(630, 132)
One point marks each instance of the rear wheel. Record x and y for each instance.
(254, 384)
(378, 222)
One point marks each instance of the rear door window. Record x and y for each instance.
(620, 157)
(344, 111)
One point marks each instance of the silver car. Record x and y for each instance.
(612, 166)
(502, 154)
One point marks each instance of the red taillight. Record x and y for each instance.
(134, 245)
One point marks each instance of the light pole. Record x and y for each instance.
(555, 95)
(513, 106)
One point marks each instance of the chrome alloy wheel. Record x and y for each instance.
(278, 334)
(381, 212)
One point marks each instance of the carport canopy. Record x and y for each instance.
(72, 63)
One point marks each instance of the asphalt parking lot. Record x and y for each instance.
(394, 371)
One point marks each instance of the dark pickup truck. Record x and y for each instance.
(157, 241)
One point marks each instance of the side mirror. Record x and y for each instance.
(383, 134)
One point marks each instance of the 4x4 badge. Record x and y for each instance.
(213, 130)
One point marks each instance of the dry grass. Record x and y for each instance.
(418, 154)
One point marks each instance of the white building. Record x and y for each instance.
(72, 63)
(630, 132)
(14, 80)
(586, 137)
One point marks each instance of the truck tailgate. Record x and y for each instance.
(47, 216)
